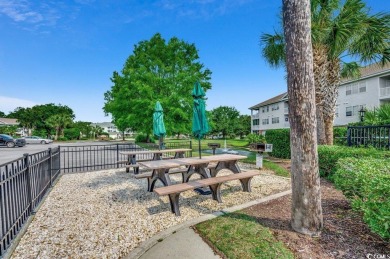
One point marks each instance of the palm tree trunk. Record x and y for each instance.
(320, 81)
(306, 212)
(330, 98)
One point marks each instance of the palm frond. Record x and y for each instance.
(273, 49)
(350, 70)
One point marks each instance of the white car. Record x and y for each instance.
(37, 140)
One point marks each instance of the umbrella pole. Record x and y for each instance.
(200, 153)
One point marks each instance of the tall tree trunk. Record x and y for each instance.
(320, 82)
(330, 98)
(306, 213)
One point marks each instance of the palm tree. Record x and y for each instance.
(340, 30)
(59, 122)
(306, 212)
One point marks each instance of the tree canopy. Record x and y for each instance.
(156, 71)
(36, 116)
(225, 120)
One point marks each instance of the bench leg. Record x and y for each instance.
(174, 201)
(216, 191)
(246, 184)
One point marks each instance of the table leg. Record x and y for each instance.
(231, 165)
(199, 169)
(159, 174)
(133, 161)
(179, 155)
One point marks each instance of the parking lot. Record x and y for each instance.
(9, 154)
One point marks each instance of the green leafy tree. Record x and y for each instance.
(243, 126)
(83, 127)
(341, 31)
(225, 120)
(34, 118)
(10, 130)
(2, 114)
(59, 122)
(156, 71)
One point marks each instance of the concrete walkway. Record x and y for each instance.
(182, 244)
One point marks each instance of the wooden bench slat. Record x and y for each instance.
(132, 165)
(177, 188)
(172, 171)
(122, 162)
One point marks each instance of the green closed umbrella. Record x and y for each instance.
(200, 127)
(158, 123)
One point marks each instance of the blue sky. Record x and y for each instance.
(64, 52)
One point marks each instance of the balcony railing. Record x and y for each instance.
(285, 110)
(385, 91)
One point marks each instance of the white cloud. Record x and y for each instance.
(9, 104)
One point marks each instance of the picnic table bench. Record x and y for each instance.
(131, 161)
(173, 191)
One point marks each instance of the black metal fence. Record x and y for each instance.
(99, 157)
(24, 182)
(369, 136)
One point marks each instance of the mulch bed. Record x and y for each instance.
(344, 235)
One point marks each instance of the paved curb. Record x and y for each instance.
(146, 245)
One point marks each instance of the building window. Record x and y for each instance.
(275, 120)
(362, 87)
(275, 107)
(348, 111)
(348, 90)
(256, 122)
(337, 111)
(353, 110)
(265, 121)
(356, 88)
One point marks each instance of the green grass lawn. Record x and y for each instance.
(238, 235)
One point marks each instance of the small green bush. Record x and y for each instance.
(328, 156)
(366, 183)
(340, 136)
(72, 133)
(280, 139)
(62, 139)
(144, 138)
(255, 138)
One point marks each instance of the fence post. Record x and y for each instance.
(50, 166)
(117, 155)
(191, 148)
(349, 136)
(29, 189)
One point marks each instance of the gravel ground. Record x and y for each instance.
(106, 214)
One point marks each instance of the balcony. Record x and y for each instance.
(286, 110)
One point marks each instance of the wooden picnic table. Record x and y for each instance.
(160, 168)
(157, 155)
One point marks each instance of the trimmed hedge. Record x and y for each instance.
(328, 156)
(366, 183)
(280, 139)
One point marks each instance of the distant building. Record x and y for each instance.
(371, 90)
(270, 114)
(112, 130)
(13, 122)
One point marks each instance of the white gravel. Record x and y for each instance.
(106, 214)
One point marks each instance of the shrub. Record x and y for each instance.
(340, 136)
(280, 139)
(255, 138)
(328, 157)
(366, 183)
(144, 138)
(73, 133)
(62, 139)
